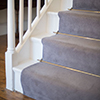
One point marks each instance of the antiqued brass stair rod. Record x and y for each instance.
(84, 10)
(75, 70)
(88, 38)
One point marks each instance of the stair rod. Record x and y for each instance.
(29, 14)
(84, 10)
(87, 38)
(38, 8)
(21, 20)
(72, 69)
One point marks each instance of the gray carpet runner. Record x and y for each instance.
(72, 52)
(78, 23)
(87, 4)
(44, 81)
(47, 82)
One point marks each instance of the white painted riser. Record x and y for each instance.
(53, 22)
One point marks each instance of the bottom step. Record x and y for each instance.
(47, 82)
(17, 73)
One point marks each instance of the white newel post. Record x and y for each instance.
(11, 25)
(11, 44)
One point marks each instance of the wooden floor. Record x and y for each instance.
(4, 93)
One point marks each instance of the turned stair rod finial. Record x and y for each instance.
(11, 25)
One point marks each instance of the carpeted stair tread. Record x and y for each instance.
(86, 43)
(87, 4)
(47, 82)
(82, 24)
(72, 52)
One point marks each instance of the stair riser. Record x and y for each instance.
(72, 56)
(36, 49)
(82, 24)
(52, 22)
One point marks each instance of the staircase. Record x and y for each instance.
(69, 68)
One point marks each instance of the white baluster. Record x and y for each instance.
(11, 25)
(21, 20)
(29, 14)
(38, 8)
(46, 2)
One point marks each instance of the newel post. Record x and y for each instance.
(10, 44)
(11, 25)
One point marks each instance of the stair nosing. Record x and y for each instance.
(51, 12)
(23, 65)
